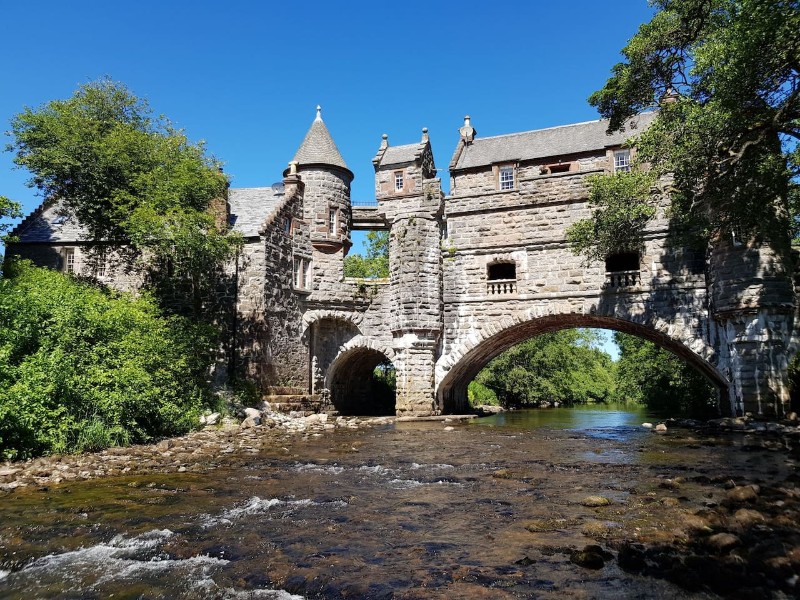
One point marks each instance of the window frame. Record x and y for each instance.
(622, 166)
(301, 274)
(504, 183)
(70, 262)
(333, 220)
(399, 181)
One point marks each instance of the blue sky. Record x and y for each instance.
(246, 76)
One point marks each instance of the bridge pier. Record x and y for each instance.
(415, 361)
(754, 357)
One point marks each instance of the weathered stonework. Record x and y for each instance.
(472, 274)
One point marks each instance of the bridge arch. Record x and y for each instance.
(350, 379)
(457, 368)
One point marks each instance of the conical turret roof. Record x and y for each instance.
(318, 146)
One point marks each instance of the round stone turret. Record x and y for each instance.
(327, 181)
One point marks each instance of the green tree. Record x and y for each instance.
(622, 207)
(375, 265)
(129, 177)
(725, 75)
(83, 368)
(652, 376)
(562, 366)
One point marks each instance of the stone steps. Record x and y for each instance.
(307, 404)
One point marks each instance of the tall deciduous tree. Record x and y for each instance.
(128, 176)
(725, 75)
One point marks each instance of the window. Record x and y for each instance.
(302, 273)
(398, 181)
(100, 263)
(622, 161)
(287, 226)
(507, 178)
(622, 270)
(333, 220)
(502, 278)
(69, 260)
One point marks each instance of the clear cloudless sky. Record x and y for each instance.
(246, 76)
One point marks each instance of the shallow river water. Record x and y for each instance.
(496, 508)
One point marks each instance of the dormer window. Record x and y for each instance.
(622, 161)
(398, 181)
(506, 178)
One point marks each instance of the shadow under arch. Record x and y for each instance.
(451, 391)
(354, 387)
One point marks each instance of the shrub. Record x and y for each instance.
(83, 368)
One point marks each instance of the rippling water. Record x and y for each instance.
(490, 509)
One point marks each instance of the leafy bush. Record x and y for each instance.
(83, 368)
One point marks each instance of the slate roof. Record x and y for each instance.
(249, 208)
(542, 143)
(396, 155)
(318, 146)
(49, 223)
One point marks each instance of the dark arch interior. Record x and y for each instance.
(452, 393)
(362, 383)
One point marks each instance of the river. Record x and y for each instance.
(500, 507)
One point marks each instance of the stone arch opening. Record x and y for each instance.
(451, 393)
(361, 382)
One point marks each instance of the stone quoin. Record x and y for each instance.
(471, 274)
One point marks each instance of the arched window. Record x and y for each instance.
(501, 278)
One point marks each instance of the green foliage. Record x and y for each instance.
(375, 265)
(729, 133)
(8, 210)
(480, 395)
(660, 380)
(82, 369)
(130, 177)
(622, 206)
(562, 366)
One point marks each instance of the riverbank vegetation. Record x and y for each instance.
(83, 368)
(568, 367)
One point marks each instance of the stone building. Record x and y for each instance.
(472, 273)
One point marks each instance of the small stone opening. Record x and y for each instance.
(362, 382)
(622, 261)
(502, 270)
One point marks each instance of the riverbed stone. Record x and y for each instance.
(591, 557)
(746, 517)
(723, 542)
(743, 493)
(595, 501)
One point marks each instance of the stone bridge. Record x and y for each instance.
(471, 274)
(487, 266)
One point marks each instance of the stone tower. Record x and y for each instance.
(326, 208)
(410, 195)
